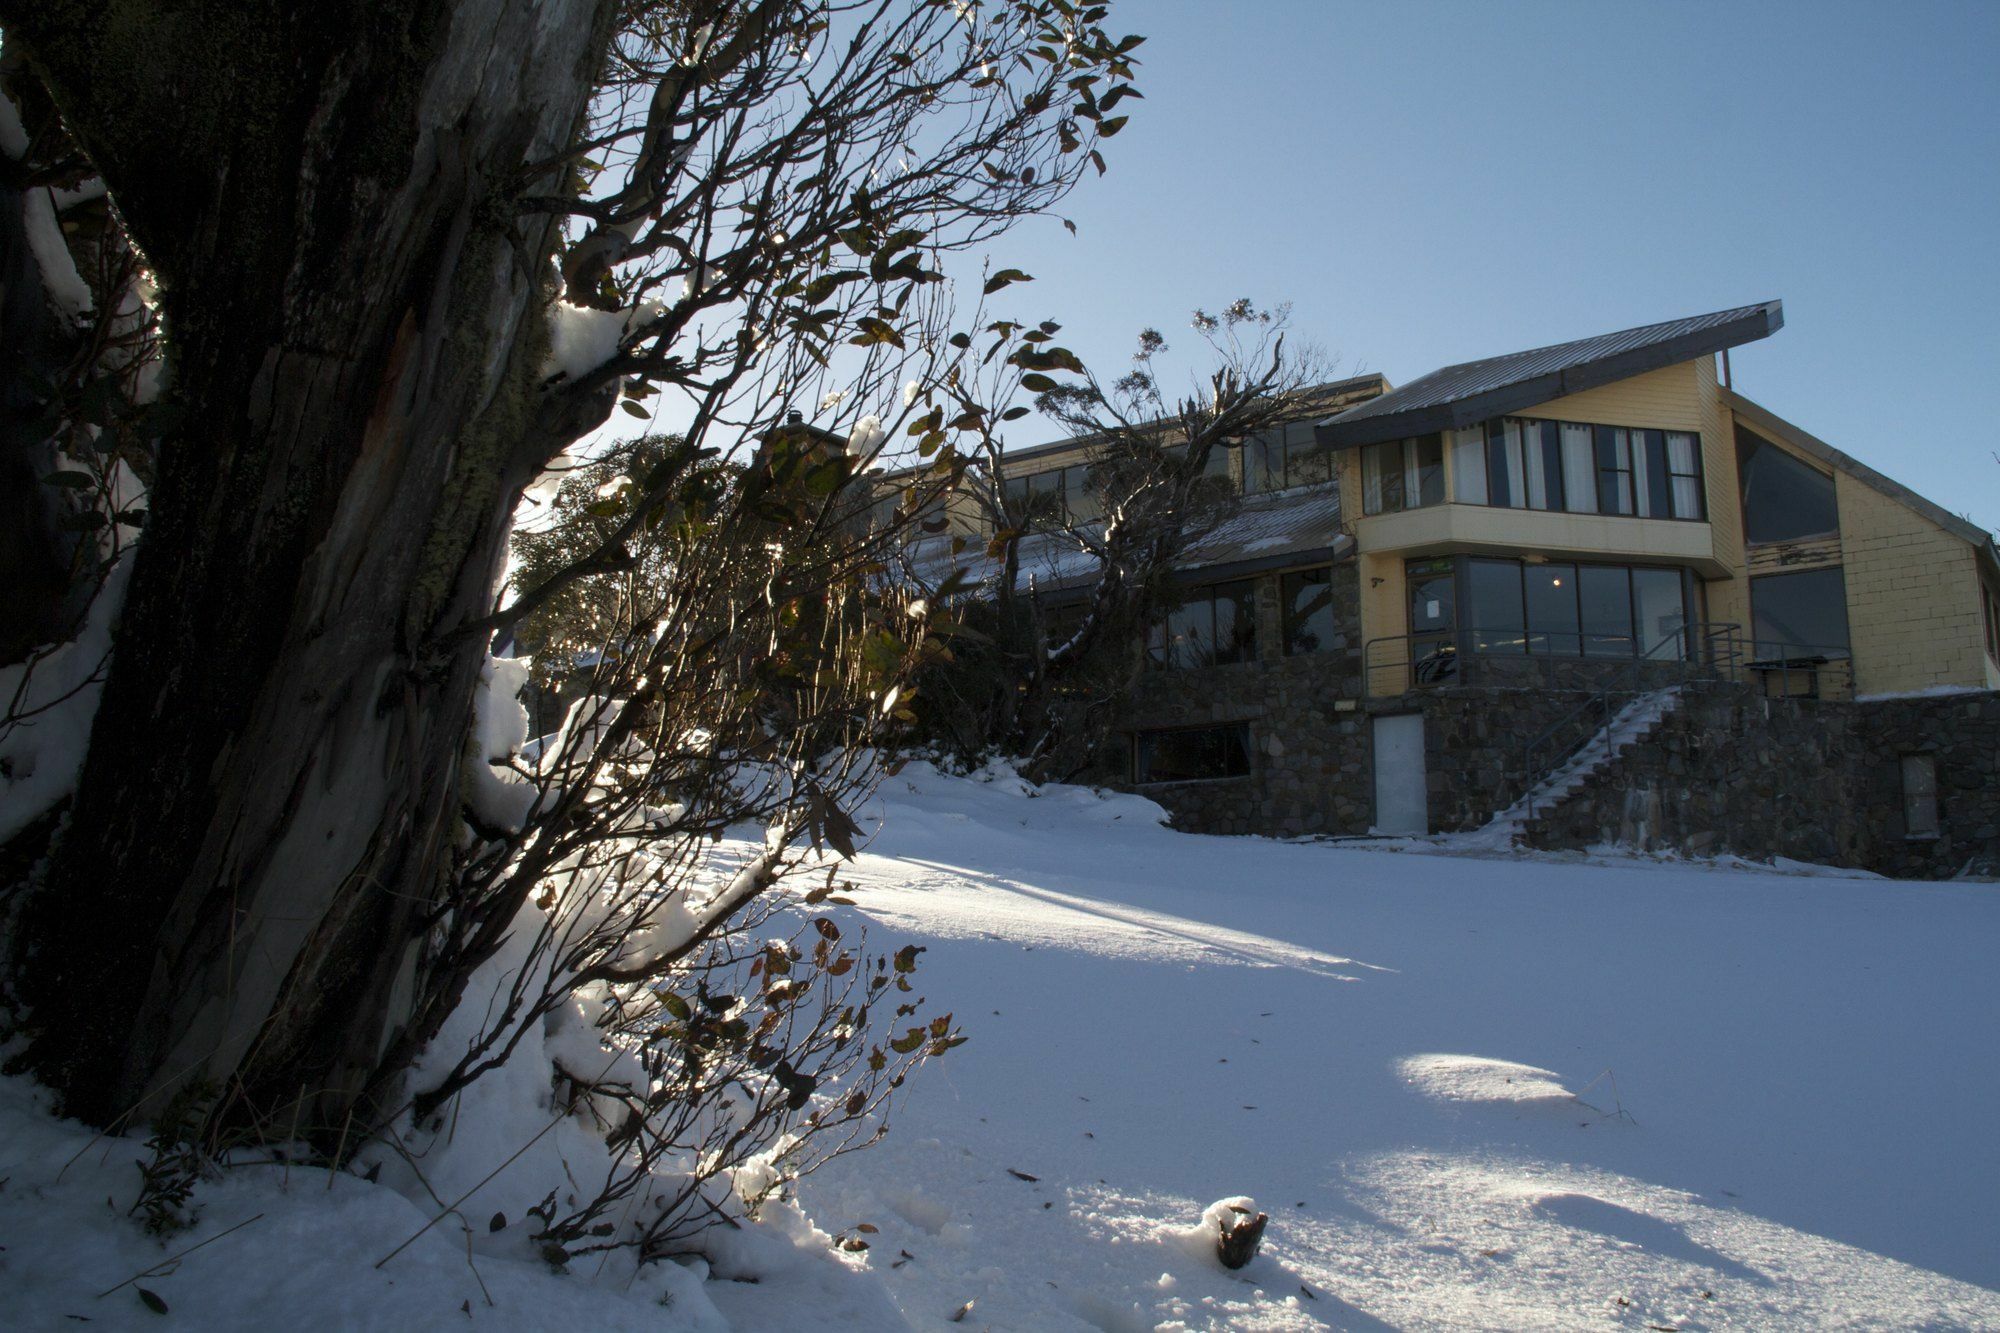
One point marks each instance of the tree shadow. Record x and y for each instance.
(1586, 1212)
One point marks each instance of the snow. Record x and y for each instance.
(866, 437)
(1471, 1092)
(1928, 692)
(52, 699)
(67, 290)
(581, 338)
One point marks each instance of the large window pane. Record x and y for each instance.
(1306, 463)
(1427, 464)
(1659, 600)
(1605, 596)
(1191, 754)
(1308, 598)
(1083, 500)
(1468, 465)
(1783, 499)
(1684, 465)
(1800, 615)
(1614, 470)
(1493, 588)
(1371, 479)
(1552, 621)
(1235, 622)
(1191, 634)
(1655, 495)
(1579, 469)
(1503, 464)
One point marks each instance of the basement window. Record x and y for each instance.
(1191, 754)
(1920, 808)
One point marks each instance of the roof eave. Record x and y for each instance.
(1337, 433)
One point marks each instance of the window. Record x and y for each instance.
(1191, 754)
(1920, 808)
(1402, 474)
(1060, 497)
(1215, 626)
(1571, 467)
(1286, 456)
(1614, 470)
(1468, 465)
(1308, 602)
(1217, 464)
(1799, 615)
(1659, 610)
(1493, 596)
(1552, 610)
(1783, 499)
(1565, 610)
(1992, 626)
(1684, 475)
(1433, 587)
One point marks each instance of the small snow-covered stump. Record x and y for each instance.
(1237, 1229)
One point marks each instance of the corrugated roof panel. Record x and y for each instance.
(1475, 390)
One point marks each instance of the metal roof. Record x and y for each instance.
(1276, 531)
(1477, 390)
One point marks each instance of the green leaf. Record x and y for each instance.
(908, 1042)
(70, 481)
(635, 409)
(1005, 277)
(1014, 414)
(676, 1006)
(153, 1301)
(499, 1222)
(1036, 382)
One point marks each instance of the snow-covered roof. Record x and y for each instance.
(1274, 531)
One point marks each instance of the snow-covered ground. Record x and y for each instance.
(1471, 1092)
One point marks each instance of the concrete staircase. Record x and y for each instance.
(1627, 727)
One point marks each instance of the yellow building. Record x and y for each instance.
(1614, 500)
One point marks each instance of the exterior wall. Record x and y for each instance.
(1678, 397)
(1812, 780)
(1913, 610)
(1309, 762)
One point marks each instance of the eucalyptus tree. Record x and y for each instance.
(403, 257)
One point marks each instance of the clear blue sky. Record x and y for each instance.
(1434, 182)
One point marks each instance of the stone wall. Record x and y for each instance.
(1813, 780)
(1475, 761)
(1309, 768)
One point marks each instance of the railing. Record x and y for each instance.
(1606, 681)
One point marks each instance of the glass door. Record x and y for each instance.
(1433, 621)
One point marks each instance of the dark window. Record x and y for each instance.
(1659, 605)
(1604, 597)
(1433, 592)
(1402, 474)
(1191, 754)
(1563, 610)
(1993, 627)
(1552, 610)
(1285, 456)
(1503, 465)
(1543, 449)
(1214, 626)
(1783, 499)
(1920, 808)
(1800, 615)
(1309, 624)
(1655, 493)
(1493, 596)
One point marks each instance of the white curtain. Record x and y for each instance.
(1468, 465)
(1686, 478)
(1579, 469)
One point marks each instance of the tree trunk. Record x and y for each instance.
(269, 807)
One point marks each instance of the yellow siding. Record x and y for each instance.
(1912, 596)
(1383, 613)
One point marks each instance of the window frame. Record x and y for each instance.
(1159, 648)
(1407, 455)
(1617, 454)
(1288, 618)
(1141, 778)
(1475, 636)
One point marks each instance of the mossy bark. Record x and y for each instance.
(269, 807)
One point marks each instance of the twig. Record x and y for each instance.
(175, 1258)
